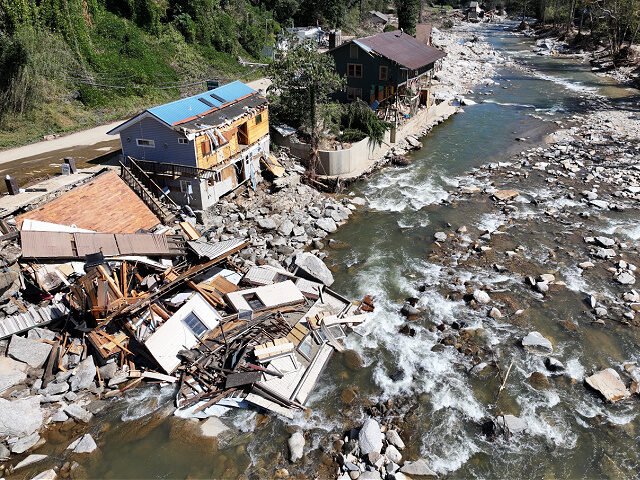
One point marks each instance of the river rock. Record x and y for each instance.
(33, 458)
(84, 374)
(553, 365)
(505, 195)
(626, 278)
(495, 313)
(313, 267)
(409, 310)
(55, 388)
(539, 381)
(536, 343)
(394, 439)
(12, 373)
(79, 413)
(32, 352)
(608, 383)
(4, 453)
(440, 237)
(267, 223)
(286, 228)
(108, 371)
(370, 437)
(21, 417)
(46, 475)
(481, 297)
(605, 241)
(512, 424)
(392, 454)
(213, 427)
(84, 444)
(296, 446)
(368, 475)
(418, 470)
(23, 444)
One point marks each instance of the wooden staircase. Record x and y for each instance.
(150, 193)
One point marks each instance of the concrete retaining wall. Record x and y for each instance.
(361, 154)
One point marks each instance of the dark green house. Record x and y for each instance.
(379, 66)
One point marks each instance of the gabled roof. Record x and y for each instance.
(402, 49)
(380, 15)
(193, 107)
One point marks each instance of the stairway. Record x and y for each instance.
(140, 183)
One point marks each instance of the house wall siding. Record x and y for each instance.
(167, 149)
(370, 72)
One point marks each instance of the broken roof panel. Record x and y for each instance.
(214, 250)
(402, 49)
(105, 204)
(43, 245)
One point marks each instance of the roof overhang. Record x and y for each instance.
(134, 120)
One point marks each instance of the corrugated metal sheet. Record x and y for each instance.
(214, 250)
(189, 107)
(402, 49)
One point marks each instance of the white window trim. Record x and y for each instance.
(151, 145)
(183, 141)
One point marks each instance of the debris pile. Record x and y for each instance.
(166, 306)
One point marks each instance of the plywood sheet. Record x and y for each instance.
(106, 204)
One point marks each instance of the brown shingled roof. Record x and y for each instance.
(403, 49)
(105, 204)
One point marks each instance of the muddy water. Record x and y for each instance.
(573, 434)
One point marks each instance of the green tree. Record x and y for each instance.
(408, 14)
(302, 80)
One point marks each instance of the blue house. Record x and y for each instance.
(198, 148)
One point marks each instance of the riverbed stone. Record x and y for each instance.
(626, 278)
(481, 297)
(84, 374)
(296, 446)
(326, 224)
(392, 454)
(213, 427)
(84, 444)
(440, 237)
(267, 223)
(32, 352)
(512, 424)
(536, 343)
(418, 470)
(370, 437)
(21, 417)
(394, 439)
(607, 382)
(313, 268)
(77, 412)
(46, 475)
(31, 459)
(553, 364)
(12, 372)
(23, 444)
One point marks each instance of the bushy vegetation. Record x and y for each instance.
(105, 59)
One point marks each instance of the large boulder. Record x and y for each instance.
(84, 374)
(296, 446)
(536, 343)
(370, 437)
(313, 268)
(213, 427)
(9, 284)
(327, 224)
(79, 413)
(418, 470)
(607, 382)
(32, 352)
(23, 444)
(12, 373)
(21, 417)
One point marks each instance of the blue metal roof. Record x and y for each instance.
(189, 107)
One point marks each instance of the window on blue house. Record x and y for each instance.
(142, 142)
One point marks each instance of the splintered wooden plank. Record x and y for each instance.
(191, 232)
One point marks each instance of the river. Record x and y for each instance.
(384, 250)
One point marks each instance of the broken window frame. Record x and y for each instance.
(253, 301)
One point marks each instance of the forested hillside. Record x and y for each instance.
(70, 63)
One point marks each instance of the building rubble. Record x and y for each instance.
(103, 312)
